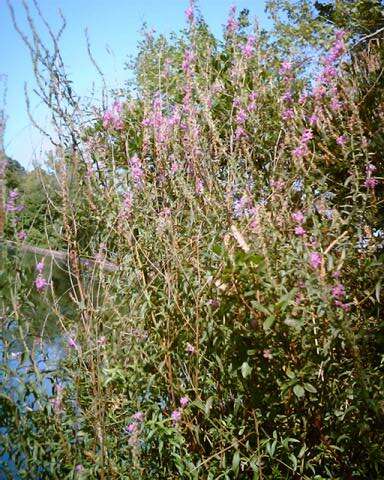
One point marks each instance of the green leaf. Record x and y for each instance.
(246, 370)
(269, 322)
(310, 388)
(236, 463)
(298, 391)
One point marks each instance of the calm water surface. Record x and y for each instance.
(31, 347)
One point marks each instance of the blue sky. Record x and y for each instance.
(114, 29)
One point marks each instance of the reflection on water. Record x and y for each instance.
(31, 347)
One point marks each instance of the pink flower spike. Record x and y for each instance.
(199, 186)
(41, 283)
(138, 416)
(313, 119)
(131, 428)
(72, 343)
(298, 217)
(370, 168)
(345, 306)
(21, 235)
(285, 68)
(315, 259)
(184, 401)
(288, 114)
(307, 135)
(371, 182)
(338, 291)
(176, 416)
(300, 231)
(189, 14)
(40, 266)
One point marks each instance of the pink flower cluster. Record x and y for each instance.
(189, 12)
(302, 150)
(40, 282)
(190, 349)
(370, 181)
(177, 414)
(232, 23)
(11, 205)
(248, 48)
(112, 117)
(298, 218)
(339, 293)
(137, 172)
(137, 419)
(315, 260)
(126, 206)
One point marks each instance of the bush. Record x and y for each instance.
(241, 335)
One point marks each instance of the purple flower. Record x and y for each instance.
(127, 204)
(240, 133)
(138, 416)
(315, 259)
(341, 140)
(288, 114)
(300, 231)
(137, 171)
(13, 194)
(371, 182)
(345, 306)
(184, 401)
(72, 343)
(199, 186)
(285, 68)
(335, 104)
(303, 98)
(189, 57)
(307, 135)
(300, 151)
(112, 117)
(338, 291)
(190, 348)
(247, 49)
(40, 266)
(319, 91)
(40, 283)
(287, 96)
(241, 117)
(21, 235)
(79, 468)
(298, 217)
(232, 22)
(131, 428)
(189, 13)
(176, 416)
(101, 341)
(313, 119)
(370, 168)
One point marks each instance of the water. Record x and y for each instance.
(31, 346)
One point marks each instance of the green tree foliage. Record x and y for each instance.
(14, 174)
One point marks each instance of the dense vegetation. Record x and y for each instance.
(237, 184)
(34, 218)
